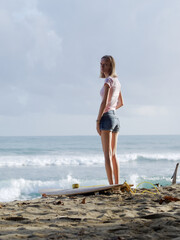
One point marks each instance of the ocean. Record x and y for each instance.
(31, 163)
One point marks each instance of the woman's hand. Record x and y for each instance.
(98, 127)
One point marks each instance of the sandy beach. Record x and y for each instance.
(119, 215)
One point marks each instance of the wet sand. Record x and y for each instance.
(119, 215)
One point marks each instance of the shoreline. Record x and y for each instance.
(119, 215)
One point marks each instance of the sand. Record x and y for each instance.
(120, 215)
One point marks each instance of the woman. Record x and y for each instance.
(107, 122)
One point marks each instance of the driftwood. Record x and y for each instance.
(175, 174)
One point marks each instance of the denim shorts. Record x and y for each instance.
(110, 122)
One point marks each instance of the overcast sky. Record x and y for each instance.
(50, 52)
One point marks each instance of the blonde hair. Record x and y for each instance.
(112, 72)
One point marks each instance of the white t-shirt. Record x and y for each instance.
(115, 88)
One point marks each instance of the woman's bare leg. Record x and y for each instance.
(114, 157)
(106, 137)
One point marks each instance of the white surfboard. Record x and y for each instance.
(78, 191)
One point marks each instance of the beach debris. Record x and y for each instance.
(174, 176)
(168, 199)
(83, 201)
(0, 206)
(72, 197)
(126, 187)
(61, 197)
(44, 195)
(58, 203)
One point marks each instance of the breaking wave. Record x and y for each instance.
(95, 159)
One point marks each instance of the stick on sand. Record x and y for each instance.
(175, 174)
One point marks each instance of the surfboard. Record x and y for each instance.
(79, 191)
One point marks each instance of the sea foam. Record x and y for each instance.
(94, 159)
(20, 189)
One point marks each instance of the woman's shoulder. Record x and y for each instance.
(112, 82)
(111, 79)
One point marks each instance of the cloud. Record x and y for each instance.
(50, 53)
(150, 111)
(31, 51)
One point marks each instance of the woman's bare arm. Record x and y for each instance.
(102, 107)
(104, 101)
(120, 101)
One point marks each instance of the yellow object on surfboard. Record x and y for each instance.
(75, 185)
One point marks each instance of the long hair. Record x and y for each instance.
(112, 72)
